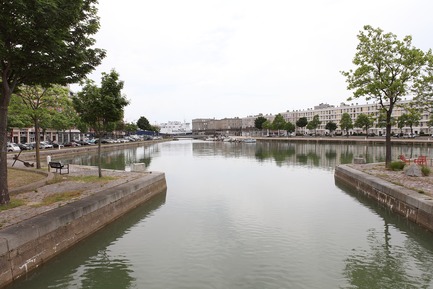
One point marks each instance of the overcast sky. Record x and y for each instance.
(188, 59)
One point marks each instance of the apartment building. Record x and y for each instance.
(326, 112)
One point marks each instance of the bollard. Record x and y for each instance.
(48, 162)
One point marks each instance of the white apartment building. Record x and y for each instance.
(175, 127)
(326, 114)
(332, 113)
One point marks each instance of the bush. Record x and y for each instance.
(397, 165)
(425, 170)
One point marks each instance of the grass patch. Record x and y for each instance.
(425, 170)
(19, 178)
(13, 204)
(92, 179)
(397, 166)
(60, 197)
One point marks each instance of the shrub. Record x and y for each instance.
(425, 170)
(397, 165)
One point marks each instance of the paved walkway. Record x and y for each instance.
(74, 184)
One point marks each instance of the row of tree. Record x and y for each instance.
(364, 121)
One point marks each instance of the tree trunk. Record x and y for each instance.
(5, 97)
(99, 158)
(38, 144)
(388, 143)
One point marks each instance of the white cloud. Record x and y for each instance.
(190, 59)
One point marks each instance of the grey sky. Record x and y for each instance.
(191, 59)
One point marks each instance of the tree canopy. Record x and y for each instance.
(331, 126)
(387, 69)
(314, 123)
(259, 121)
(364, 121)
(101, 107)
(43, 108)
(143, 123)
(346, 123)
(43, 42)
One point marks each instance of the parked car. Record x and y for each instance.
(56, 145)
(25, 147)
(45, 145)
(83, 142)
(410, 135)
(71, 144)
(12, 147)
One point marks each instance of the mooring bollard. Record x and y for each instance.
(48, 162)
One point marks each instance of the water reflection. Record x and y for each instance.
(91, 263)
(392, 259)
(264, 215)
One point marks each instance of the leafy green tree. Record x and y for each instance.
(331, 126)
(267, 125)
(258, 122)
(290, 127)
(101, 107)
(302, 122)
(401, 122)
(364, 121)
(413, 116)
(314, 123)
(43, 42)
(130, 127)
(15, 117)
(387, 70)
(279, 123)
(41, 106)
(143, 123)
(346, 123)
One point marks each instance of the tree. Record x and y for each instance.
(401, 122)
(290, 127)
(258, 122)
(130, 127)
(331, 126)
(43, 42)
(413, 116)
(302, 122)
(387, 70)
(143, 123)
(43, 106)
(346, 123)
(314, 123)
(364, 121)
(279, 123)
(267, 125)
(101, 107)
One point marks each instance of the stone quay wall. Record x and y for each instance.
(28, 244)
(414, 206)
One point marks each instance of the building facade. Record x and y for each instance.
(326, 112)
(175, 128)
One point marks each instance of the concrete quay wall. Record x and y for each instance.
(414, 206)
(28, 244)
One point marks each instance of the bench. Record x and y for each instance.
(421, 160)
(59, 166)
(404, 159)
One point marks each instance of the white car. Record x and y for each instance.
(11, 147)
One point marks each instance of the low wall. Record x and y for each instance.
(413, 205)
(30, 243)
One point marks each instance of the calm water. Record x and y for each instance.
(248, 216)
